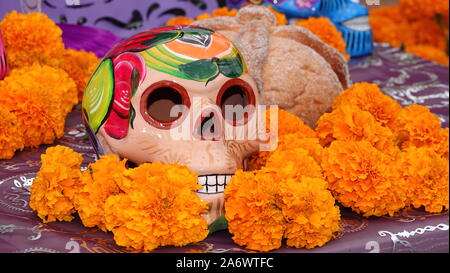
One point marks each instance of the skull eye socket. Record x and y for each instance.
(163, 104)
(237, 101)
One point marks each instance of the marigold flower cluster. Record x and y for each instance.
(311, 210)
(417, 126)
(43, 84)
(158, 207)
(363, 178)
(262, 210)
(9, 127)
(366, 140)
(56, 184)
(349, 122)
(145, 207)
(80, 65)
(294, 163)
(377, 158)
(289, 124)
(368, 97)
(285, 196)
(31, 38)
(416, 9)
(371, 143)
(40, 97)
(292, 132)
(97, 184)
(418, 26)
(280, 17)
(323, 28)
(179, 20)
(426, 174)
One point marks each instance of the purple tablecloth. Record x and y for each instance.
(406, 78)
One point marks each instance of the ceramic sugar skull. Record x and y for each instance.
(162, 95)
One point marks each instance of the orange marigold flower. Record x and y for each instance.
(430, 53)
(40, 80)
(363, 178)
(41, 105)
(426, 174)
(417, 9)
(224, 11)
(392, 12)
(285, 143)
(262, 210)
(56, 184)
(294, 141)
(179, 20)
(79, 65)
(417, 126)
(349, 123)
(31, 38)
(289, 123)
(438, 142)
(391, 26)
(33, 118)
(251, 210)
(426, 32)
(294, 163)
(441, 147)
(281, 18)
(387, 30)
(11, 137)
(98, 183)
(310, 210)
(258, 160)
(203, 16)
(158, 207)
(323, 28)
(368, 97)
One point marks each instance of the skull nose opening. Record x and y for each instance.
(208, 127)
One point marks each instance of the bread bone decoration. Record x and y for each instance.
(291, 66)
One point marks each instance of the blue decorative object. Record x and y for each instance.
(352, 19)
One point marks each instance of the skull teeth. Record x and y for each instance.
(214, 183)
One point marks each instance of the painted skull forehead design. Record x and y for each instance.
(196, 54)
(185, 52)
